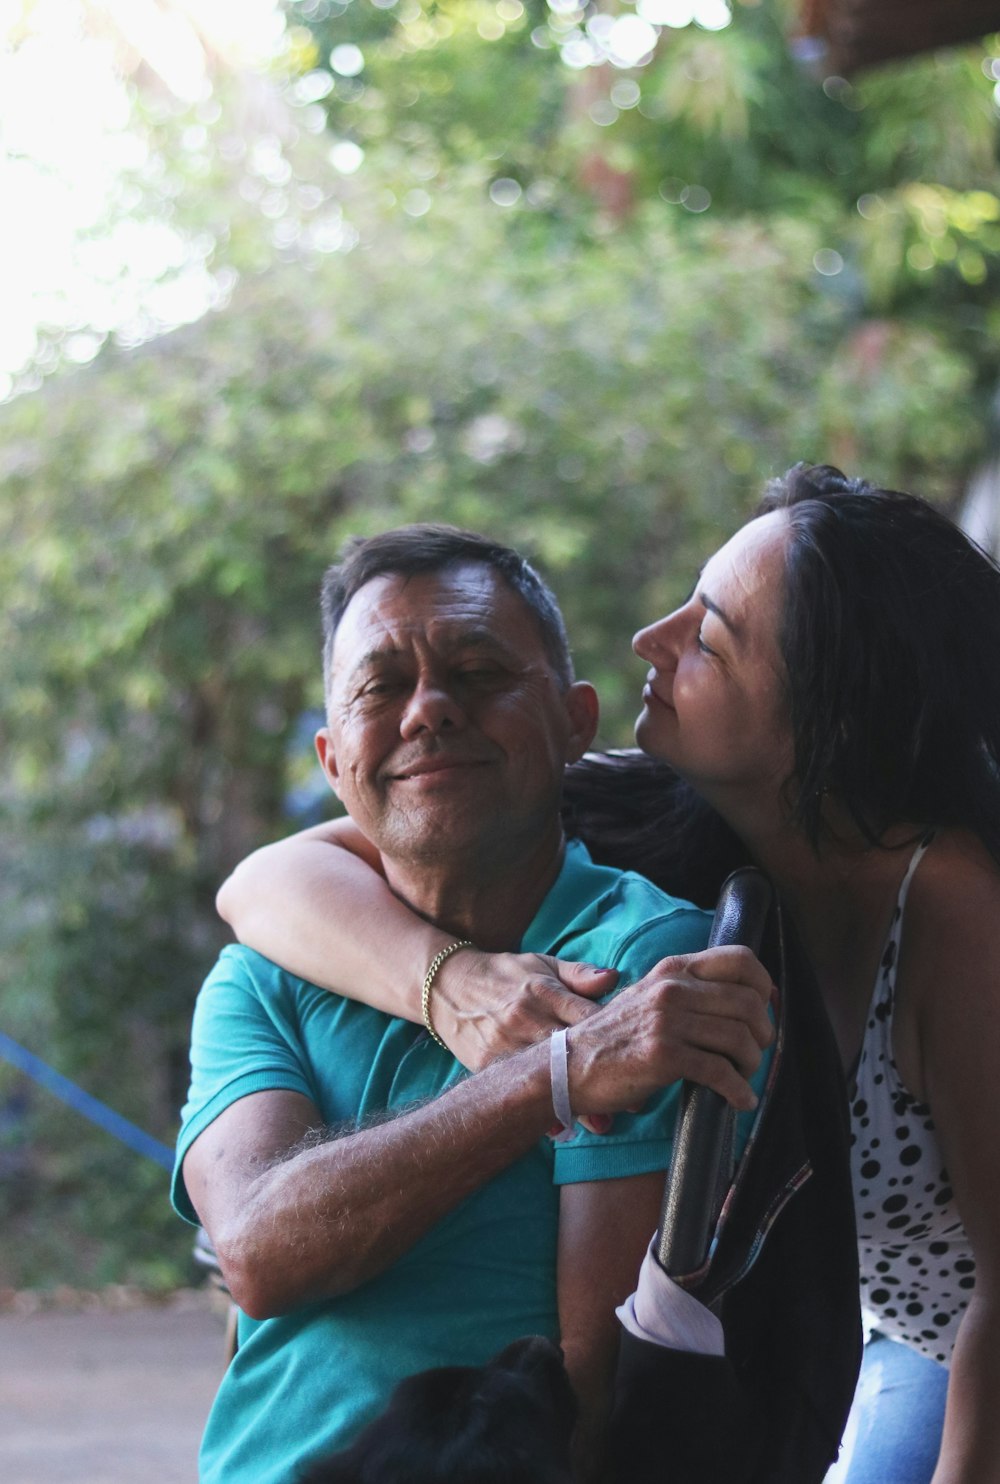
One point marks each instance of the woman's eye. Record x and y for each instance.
(705, 648)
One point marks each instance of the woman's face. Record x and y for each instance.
(714, 701)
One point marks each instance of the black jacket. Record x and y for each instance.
(783, 1278)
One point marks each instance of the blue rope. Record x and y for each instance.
(82, 1102)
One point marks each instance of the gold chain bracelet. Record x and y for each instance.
(425, 996)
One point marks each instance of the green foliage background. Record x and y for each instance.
(594, 371)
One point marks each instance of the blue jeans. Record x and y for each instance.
(893, 1435)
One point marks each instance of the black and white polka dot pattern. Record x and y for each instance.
(917, 1269)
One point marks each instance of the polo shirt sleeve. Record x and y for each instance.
(241, 1043)
(641, 1142)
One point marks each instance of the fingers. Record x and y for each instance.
(559, 1007)
(687, 1003)
(668, 1028)
(545, 1005)
(717, 973)
(730, 965)
(719, 1074)
(681, 1023)
(719, 1009)
(581, 979)
(721, 1035)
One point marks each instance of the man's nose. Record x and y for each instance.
(431, 708)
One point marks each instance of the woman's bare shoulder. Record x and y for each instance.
(950, 930)
(957, 875)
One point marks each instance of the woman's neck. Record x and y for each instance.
(840, 899)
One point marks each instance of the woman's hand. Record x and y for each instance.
(487, 1005)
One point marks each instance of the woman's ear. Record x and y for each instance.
(584, 711)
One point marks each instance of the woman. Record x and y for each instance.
(829, 697)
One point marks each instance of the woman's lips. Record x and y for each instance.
(650, 694)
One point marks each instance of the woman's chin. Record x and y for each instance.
(648, 735)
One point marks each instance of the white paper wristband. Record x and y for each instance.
(559, 1069)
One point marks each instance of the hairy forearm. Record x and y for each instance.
(970, 1449)
(330, 1217)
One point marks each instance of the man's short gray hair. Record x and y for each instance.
(407, 550)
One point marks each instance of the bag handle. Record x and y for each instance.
(702, 1166)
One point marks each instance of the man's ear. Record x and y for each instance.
(327, 755)
(584, 711)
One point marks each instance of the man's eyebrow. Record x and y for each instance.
(721, 615)
(471, 638)
(476, 637)
(375, 657)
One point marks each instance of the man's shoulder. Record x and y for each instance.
(244, 989)
(244, 968)
(613, 917)
(610, 890)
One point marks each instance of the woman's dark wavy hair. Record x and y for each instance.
(891, 640)
(634, 812)
(890, 634)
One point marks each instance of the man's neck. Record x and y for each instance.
(489, 901)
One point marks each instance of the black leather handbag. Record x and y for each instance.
(772, 1249)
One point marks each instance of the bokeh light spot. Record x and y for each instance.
(626, 93)
(828, 262)
(712, 15)
(672, 189)
(505, 191)
(603, 112)
(347, 60)
(416, 202)
(871, 207)
(346, 156)
(920, 257)
(675, 13)
(631, 41)
(695, 198)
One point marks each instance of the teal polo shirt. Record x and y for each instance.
(303, 1384)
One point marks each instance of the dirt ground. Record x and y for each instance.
(104, 1397)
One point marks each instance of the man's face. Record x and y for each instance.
(448, 730)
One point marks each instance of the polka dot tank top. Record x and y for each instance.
(917, 1269)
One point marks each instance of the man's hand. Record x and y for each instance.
(698, 1016)
(490, 1004)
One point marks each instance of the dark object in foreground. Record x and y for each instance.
(507, 1422)
(782, 1275)
(701, 1169)
(866, 33)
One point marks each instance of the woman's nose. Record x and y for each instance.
(656, 640)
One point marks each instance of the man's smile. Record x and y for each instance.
(438, 767)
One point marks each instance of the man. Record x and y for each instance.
(375, 1210)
